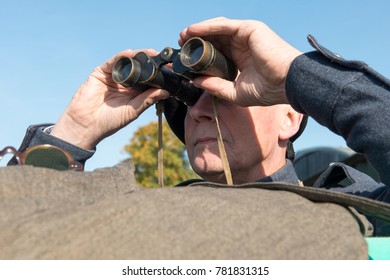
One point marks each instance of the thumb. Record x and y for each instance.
(217, 86)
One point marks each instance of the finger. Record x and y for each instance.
(146, 99)
(109, 64)
(184, 36)
(215, 19)
(219, 87)
(216, 26)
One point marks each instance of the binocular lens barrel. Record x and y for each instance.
(129, 72)
(202, 57)
(196, 55)
(126, 71)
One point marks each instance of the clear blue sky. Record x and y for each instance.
(48, 48)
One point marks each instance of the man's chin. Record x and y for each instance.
(214, 177)
(209, 171)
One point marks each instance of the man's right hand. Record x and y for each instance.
(100, 107)
(262, 57)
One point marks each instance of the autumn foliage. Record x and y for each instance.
(143, 150)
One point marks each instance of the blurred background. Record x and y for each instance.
(48, 48)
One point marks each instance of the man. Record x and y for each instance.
(256, 118)
(255, 139)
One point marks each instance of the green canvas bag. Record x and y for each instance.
(104, 214)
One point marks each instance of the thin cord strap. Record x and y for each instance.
(160, 150)
(221, 146)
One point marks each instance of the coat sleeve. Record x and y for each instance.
(35, 135)
(349, 98)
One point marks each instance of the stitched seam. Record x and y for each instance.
(339, 96)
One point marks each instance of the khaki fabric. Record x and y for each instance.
(48, 214)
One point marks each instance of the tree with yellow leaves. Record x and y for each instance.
(143, 150)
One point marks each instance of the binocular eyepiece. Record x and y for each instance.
(196, 57)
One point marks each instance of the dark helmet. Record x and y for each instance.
(175, 112)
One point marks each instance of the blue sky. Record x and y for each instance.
(48, 48)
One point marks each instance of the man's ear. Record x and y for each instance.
(290, 124)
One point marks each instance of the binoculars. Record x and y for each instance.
(196, 57)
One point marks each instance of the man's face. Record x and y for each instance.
(251, 136)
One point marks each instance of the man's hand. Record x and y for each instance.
(262, 57)
(100, 107)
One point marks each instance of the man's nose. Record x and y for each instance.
(203, 108)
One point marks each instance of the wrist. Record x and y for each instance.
(72, 132)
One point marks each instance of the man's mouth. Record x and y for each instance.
(205, 140)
